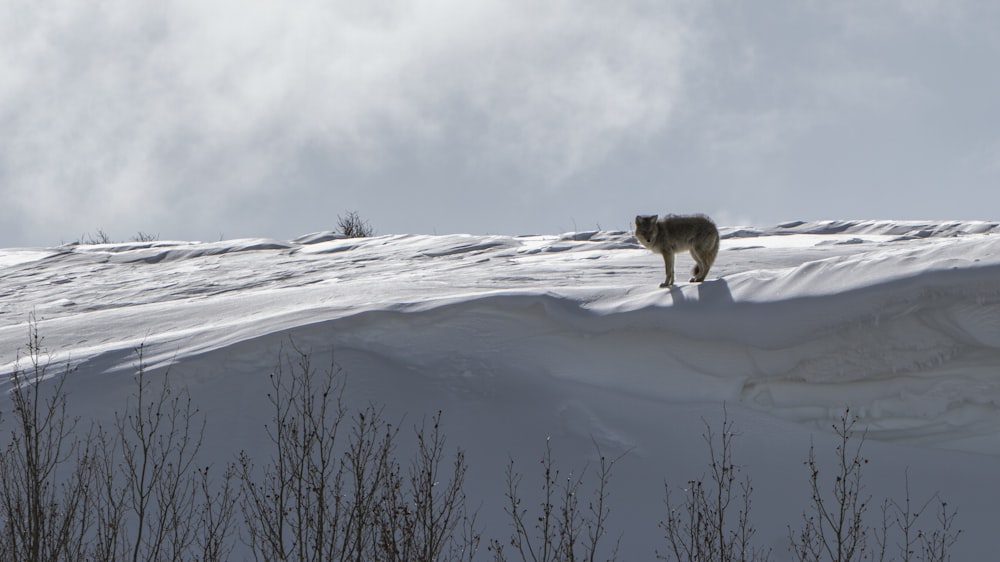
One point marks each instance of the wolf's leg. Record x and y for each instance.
(668, 264)
(700, 269)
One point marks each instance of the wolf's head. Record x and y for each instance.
(645, 229)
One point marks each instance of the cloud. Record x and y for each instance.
(253, 117)
(135, 107)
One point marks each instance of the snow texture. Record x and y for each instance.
(520, 339)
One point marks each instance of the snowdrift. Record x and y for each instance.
(519, 339)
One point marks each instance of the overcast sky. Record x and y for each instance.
(204, 119)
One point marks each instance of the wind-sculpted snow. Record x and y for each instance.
(897, 229)
(519, 338)
(904, 328)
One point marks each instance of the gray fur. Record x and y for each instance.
(677, 233)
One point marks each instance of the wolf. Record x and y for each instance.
(677, 233)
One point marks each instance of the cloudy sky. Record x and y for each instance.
(204, 119)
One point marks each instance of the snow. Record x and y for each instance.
(520, 339)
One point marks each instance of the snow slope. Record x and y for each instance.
(519, 339)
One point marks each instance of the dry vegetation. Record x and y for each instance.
(332, 487)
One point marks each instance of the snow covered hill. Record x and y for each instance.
(520, 339)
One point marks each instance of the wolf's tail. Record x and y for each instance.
(713, 250)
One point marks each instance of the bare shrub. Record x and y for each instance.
(45, 469)
(424, 517)
(130, 494)
(563, 530)
(154, 502)
(321, 499)
(216, 516)
(292, 508)
(834, 527)
(99, 237)
(703, 526)
(935, 544)
(352, 225)
(913, 543)
(145, 237)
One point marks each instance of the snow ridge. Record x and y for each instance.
(519, 338)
